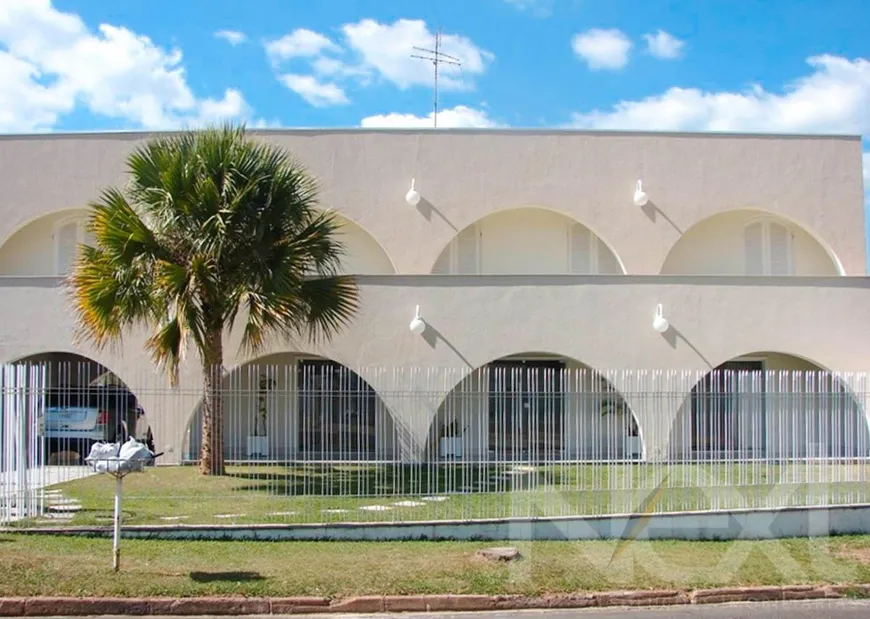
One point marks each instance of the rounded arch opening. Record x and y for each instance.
(771, 406)
(44, 246)
(531, 240)
(291, 407)
(81, 402)
(750, 241)
(534, 408)
(364, 255)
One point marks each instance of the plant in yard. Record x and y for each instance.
(214, 230)
(266, 384)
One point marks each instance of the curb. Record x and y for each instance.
(69, 606)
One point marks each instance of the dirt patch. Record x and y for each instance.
(861, 555)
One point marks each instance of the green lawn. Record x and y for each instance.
(265, 494)
(48, 565)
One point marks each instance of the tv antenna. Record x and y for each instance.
(436, 57)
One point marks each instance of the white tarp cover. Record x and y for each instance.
(119, 457)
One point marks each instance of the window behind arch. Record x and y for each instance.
(588, 255)
(68, 235)
(462, 255)
(768, 248)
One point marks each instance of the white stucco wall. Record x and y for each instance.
(241, 413)
(363, 254)
(31, 250)
(530, 241)
(716, 246)
(795, 410)
(586, 433)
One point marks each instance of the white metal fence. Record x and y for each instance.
(315, 441)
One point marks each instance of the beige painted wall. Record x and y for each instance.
(793, 410)
(602, 321)
(586, 434)
(31, 250)
(716, 247)
(363, 255)
(464, 175)
(531, 241)
(473, 176)
(241, 405)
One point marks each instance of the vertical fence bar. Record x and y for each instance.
(313, 440)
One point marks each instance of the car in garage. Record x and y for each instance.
(75, 417)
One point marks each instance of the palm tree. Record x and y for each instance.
(214, 230)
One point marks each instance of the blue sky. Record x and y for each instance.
(798, 66)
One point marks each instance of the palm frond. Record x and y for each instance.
(212, 226)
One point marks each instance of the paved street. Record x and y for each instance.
(816, 609)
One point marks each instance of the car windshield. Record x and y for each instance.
(104, 398)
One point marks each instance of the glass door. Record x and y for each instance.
(525, 410)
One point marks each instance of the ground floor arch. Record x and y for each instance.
(289, 407)
(535, 408)
(79, 402)
(770, 405)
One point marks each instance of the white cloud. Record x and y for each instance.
(318, 94)
(301, 43)
(331, 67)
(387, 48)
(460, 116)
(233, 37)
(50, 62)
(370, 51)
(664, 45)
(833, 98)
(214, 111)
(538, 8)
(602, 49)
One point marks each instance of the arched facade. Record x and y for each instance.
(527, 240)
(363, 254)
(750, 242)
(46, 246)
(287, 406)
(535, 408)
(82, 402)
(768, 405)
(805, 190)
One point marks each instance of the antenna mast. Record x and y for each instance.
(436, 57)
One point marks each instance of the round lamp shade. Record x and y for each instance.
(660, 323)
(413, 196)
(417, 326)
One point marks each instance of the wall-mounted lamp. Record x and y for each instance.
(413, 196)
(660, 323)
(640, 197)
(418, 325)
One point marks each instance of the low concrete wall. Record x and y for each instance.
(730, 525)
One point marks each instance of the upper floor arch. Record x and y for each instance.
(47, 246)
(750, 242)
(363, 254)
(527, 241)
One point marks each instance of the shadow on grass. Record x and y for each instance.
(330, 480)
(226, 576)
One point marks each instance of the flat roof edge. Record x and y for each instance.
(121, 133)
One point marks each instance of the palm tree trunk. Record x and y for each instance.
(211, 457)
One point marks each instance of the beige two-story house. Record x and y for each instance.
(614, 252)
